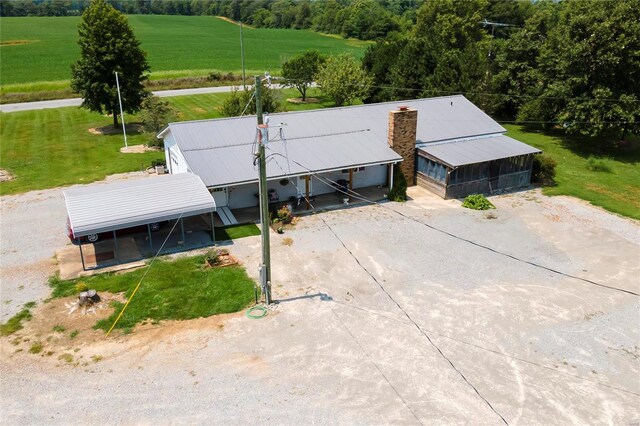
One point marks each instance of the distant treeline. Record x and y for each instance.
(362, 19)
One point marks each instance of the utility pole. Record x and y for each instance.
(263, 138)
(244, 84)
(124, 131)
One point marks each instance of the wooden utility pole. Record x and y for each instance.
(263, 138)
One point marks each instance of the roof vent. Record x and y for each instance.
(403, 108)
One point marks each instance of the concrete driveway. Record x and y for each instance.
(438, 315)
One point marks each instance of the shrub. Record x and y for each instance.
(598, 165)
(212, 257)
(36, 348)
(81, 286)
(544, 169)
(399, 190)
(283, 215)
(477, 202)
(159, 162)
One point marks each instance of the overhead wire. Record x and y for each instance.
(356, 195)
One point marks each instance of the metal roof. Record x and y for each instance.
(220, 150)
(111, 206)
(234, 164)
(480, 150)
(439, 119)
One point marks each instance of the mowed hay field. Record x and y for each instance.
(37, 49)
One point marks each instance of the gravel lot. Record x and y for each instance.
(32, 228)
(381, 319)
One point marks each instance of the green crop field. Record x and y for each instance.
(37, 49)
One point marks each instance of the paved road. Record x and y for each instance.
(60, 103)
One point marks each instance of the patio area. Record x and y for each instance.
(318, 203)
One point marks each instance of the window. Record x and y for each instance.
(217, 190)
(355, 170)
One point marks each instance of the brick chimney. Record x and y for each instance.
(402, 139)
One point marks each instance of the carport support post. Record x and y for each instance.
(115, 241)
(149, 232)
(213, 230)
(79, 241)
(264, 202)
(182, 230)
(350, 181)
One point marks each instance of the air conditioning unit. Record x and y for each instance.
(160, 170)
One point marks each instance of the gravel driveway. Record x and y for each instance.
(437, 315)
(32, 228)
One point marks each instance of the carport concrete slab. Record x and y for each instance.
(70, 264)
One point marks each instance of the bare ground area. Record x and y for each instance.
(413, 313)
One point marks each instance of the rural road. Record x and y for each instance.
(60, 103)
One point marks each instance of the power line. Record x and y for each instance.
(414, 322)
(456, 92)
(355, 194)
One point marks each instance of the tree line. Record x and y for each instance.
(571, 64)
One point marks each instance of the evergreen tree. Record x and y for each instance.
(107, 45)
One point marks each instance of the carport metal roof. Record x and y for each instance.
(475, 151)
(107, 207)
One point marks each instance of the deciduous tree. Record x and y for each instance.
(107, 44)
(343, 79)
(300, 71)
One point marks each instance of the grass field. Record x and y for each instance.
(175, 45)
(218, 290)
(617, 191)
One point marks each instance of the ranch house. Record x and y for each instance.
(445, 144)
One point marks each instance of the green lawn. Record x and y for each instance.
(53, 147)
(617, 191)
(236, 231)
(189, 45)
(172, 290)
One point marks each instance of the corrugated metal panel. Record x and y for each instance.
(478, 150)
(234, 164)
(106, 207)
(443, 118)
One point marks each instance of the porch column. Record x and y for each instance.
(182, 230)
(391, 176)
(350, 181)
(306, 185)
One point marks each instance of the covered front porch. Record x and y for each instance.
(329, 201)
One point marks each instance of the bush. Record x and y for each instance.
(212, 257)
(159, 162)
(282, 215)
(477, 202)
(399, 190)
(544, 169)
(598, 165)
(81, 286)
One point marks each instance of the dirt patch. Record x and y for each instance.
(61, 324)
(110, 130)
(231, 21)
(17, 42)
(306, 101)
(138, 149)
(5, 176)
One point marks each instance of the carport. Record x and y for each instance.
(106, 208)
